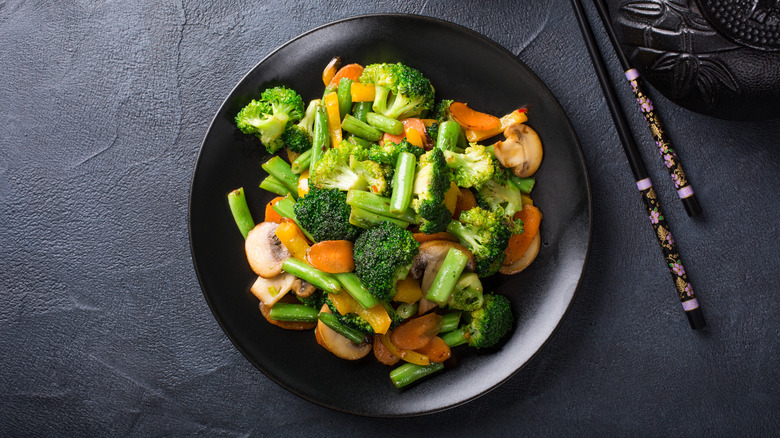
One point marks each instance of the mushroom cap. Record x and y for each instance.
(265, 251)
(282, 284)
(337, 344)
(528, 256)
(303, 288)
(521, 151)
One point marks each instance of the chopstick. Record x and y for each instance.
(672, 162)
(664, 235)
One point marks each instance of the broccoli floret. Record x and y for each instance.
(500, 192)
(467, 294)
(268, 117)
(432, 131)
(333, 171)
(441, 111)
(431, 181)
(486, 325)
(324, 213)
(297, 137)
(387, 153)
(352, 320)
(378, 176)
(474, 167)
(383, 255)
(401, 91)
(486, 234)
(315, 300)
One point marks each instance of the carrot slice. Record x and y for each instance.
(332, 256)
(330, 70)
(422, 237)
(270, 214)
(410, 356)
(349, 71)
(466, 201)
(437, 350)
(519, 243)
(471, 119)
(416, 332)
(516, 116)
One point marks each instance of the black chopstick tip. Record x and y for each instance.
(692, 206)
(696, 318)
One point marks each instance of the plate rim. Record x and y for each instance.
(473, 34)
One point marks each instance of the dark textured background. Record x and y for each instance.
(104, 329)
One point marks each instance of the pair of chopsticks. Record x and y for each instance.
(684, 289)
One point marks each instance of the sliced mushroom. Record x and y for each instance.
(528, 256)
(288, 325)
(265, 251)
(521, 151)
(271, 290)
(427, 262)
(302, 288)
(337, 344)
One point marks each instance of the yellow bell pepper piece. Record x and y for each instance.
(526, 199)
(451, 197)
(413, 136)
(408, 291)
(516, 116)
(293, 239)
(363, 92)
(410, 356)
(303, 183)
(376, 316)
(331, 101)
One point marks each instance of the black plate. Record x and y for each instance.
(464, 66)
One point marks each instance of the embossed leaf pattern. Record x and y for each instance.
(643, 9)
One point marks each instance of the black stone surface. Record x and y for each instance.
(104, 330)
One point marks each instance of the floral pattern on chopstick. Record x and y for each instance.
(667, 244)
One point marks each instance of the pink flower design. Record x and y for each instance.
(678, 269)
(647, 105)
(655, 216)
(670, 239)
(669, 160)
(688, 290)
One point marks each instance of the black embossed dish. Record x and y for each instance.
(462, 65)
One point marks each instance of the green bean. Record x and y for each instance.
(240, 211)
(377, 204)
(344, 94)
(403, 179)
(409, 373)
(354, 287)
(332, 321)
(354, 126)
(302, 162)
(448, 135)
(320, 138)
(384, 123)
(366, 219)
(360, 109)
(273, 185)
(449, 322)
(279, 169)
(448, 275)
(293, 312)
(310, 274)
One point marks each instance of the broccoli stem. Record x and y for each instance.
(360, 110)
(344, 95)
(310, 274)
(449, 322)
(367, 219)
(320, 138)
(448, 135)
(293, 312)
(240, 211)
(403, 180)
(354, 126)
(273, 185)
(279, 169)
(302, 162)
(448, 275)
(384, 123)
(409, 373)
(354, 287)
(332, 321)
(456, 337)
(286, 208)
(524, 184)
(377, 204)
